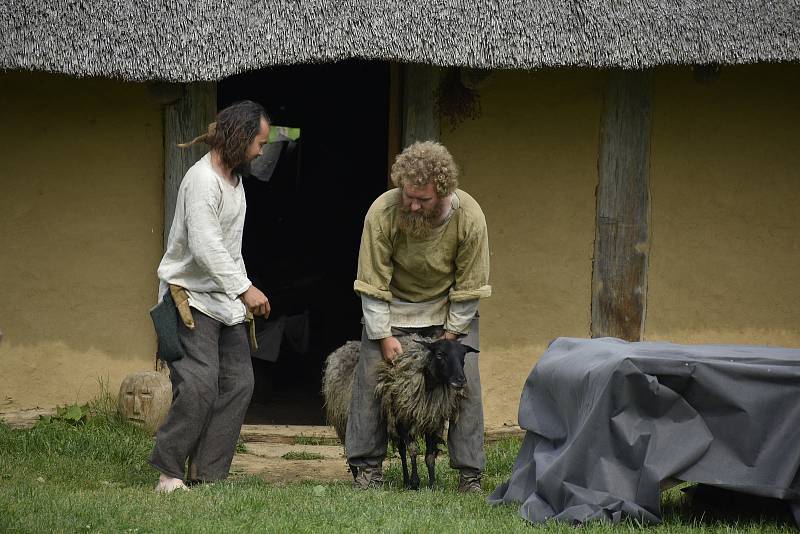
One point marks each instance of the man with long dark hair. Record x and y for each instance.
(213, 381)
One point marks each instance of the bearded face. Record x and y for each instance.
(253, 149)
(419, 211)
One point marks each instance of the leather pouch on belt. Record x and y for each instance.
(181, 299)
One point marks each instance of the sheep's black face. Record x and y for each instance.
(448, 361)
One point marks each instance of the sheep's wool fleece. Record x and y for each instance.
(337, 385)
(406, 402)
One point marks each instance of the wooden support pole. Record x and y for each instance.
(184, 119)
(395, 140)
(420, 90)
(622, 240)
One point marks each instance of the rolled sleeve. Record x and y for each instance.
(460, 315)
(377, 317)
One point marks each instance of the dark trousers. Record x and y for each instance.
(211, 389)
(366, 438)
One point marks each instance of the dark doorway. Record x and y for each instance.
(303, 225)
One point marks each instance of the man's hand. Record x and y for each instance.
(390, 348)
(256, 301)
(450, 336)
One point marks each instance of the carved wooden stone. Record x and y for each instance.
(144, 399)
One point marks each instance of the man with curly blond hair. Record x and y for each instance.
(422, 266)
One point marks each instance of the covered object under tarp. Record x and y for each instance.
(607, 421)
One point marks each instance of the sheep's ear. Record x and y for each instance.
(469, 349)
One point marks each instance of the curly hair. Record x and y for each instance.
(233, 131)
(424, 162)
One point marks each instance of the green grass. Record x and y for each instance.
(94, 477)
(302, 455)
(309, 440)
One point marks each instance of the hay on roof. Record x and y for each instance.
(195, 40)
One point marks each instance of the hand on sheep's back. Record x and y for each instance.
(390, 349)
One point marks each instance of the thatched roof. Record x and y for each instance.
(184, 40)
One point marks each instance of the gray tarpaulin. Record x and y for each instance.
(607, 421)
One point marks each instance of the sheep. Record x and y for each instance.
(418, 393)
(337, 385)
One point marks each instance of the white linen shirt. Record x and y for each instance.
(204, 249)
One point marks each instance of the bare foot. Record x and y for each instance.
(167, 484)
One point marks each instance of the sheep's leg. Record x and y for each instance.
(401, 449)
(410, 444)
(414, 475)
(431, 451)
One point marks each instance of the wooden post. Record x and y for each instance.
(395, 116)
(184, 119)
(420, 90)
(188, 111)
(622, 240)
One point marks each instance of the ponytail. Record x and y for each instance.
(206, 138)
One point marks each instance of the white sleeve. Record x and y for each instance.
(377, 319)
(460, 315)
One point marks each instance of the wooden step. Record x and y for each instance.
(325, 435)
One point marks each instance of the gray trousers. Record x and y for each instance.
(366, 438)
(211, 389)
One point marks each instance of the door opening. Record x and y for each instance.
(303, 224)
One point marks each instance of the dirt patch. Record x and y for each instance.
(266, 461)
(267, 444)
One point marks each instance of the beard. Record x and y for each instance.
(243, 169)
(420, 223)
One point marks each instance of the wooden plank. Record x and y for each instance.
(184, 119)
(622, 240)
(493, 434)
(24, 418)
(325, 435)
(289, 434)
(420, 90)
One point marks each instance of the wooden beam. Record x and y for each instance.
(184, 119)
(420, 90)
(395, 116)
(622, 240)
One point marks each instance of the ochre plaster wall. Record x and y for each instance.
(725, 173)
(81, 213)
(530, 159)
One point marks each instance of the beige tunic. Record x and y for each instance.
(451, 265)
